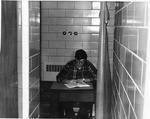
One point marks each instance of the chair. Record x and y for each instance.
(76, 108)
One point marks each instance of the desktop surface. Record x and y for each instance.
(61, 86)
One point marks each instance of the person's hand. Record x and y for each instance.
(86, 80)
(71, 81)
(80, 80)
(83, 80)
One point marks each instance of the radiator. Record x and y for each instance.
(50, 71)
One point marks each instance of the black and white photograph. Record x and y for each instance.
(74, 59)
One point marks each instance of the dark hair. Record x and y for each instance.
(80, 54)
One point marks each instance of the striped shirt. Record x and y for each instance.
(70, 71)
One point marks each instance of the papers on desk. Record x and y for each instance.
(76, 84)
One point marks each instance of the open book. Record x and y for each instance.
(77, 84)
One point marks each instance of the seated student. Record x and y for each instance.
(77, 69)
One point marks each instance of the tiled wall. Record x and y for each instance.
(34, 59)
(79, 22)
(130, 46)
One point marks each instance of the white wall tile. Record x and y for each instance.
(95, 37)
(65, 52)
(91, 29)
(94, 53)
(45, 13)
(96, 5)
(59, 60)
(82, 21)
(44, 44)
(49, 36)
(74, 13)
(65, 21)
(88, 52)
(44, 58)
(73, 44)
(66, 5)
(65, 37)
(69, 58)
(49, 5)
(93, 60)
(95, 21)
(49, 21)
(56, 44)
(83, 37)
(49, 52)
(90, 45)
(91, 13)
(45, 28)
(74, 29)
(83, 5)
(56, 29)
(56, 13)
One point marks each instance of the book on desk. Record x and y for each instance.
(69, 86)
(76, 84)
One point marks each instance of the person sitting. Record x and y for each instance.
(77, 69)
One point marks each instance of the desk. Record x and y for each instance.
(83, 94)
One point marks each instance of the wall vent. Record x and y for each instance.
(53, 68)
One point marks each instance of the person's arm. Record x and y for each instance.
(62, 75)
(93, 71)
